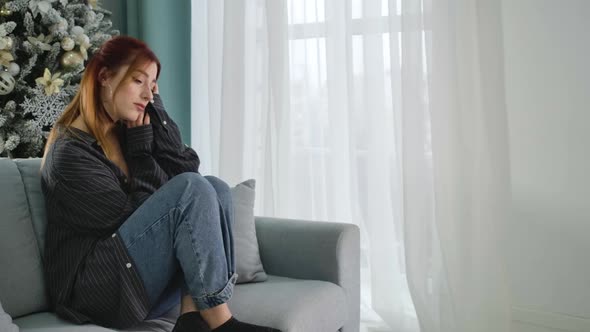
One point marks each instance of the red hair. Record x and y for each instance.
(114, 54)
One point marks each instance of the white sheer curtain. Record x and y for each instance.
(384, 113)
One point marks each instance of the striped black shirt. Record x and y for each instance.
(90, 276)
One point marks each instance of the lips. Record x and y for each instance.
(140, 107)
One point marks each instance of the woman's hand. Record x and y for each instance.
(142, 120)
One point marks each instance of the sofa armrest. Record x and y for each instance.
(313, 250)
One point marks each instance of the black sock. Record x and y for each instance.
(191, 322)
(234, 325)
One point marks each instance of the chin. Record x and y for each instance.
(132, 116)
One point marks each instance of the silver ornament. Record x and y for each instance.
(13, 68)
(84, 39)
(6, 83)
(68, 44)
(77, 30)
(71, 59)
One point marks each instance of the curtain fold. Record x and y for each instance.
(387, 114)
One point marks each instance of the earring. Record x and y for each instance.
(110, 90)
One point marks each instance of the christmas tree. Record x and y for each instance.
(43, 47)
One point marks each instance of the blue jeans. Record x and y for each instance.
(180, 238)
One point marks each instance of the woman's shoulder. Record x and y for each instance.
(66, 147)
(69, 151)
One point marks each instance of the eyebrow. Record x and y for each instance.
(146, 74)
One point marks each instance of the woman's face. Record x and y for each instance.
(134, 93)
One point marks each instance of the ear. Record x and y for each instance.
(103, 76)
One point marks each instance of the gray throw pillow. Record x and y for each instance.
(248, 264)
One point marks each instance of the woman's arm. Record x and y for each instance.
(146, 174)
(87, 192)
(171, 154)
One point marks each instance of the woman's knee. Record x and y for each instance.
(196, 183)
(217, 183)
(223, 191)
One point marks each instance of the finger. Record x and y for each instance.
(138, 121)
(146, 119)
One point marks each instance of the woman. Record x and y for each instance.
(131, 223)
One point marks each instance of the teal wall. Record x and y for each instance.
(166, 27)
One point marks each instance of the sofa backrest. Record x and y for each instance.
(22, 232)
(30, 173)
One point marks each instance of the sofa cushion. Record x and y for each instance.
(30, 173)
(46, 321)
(248, 265)
(291, 304)
(22, 288)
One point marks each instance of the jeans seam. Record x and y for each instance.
(193, 247)
(142, 234)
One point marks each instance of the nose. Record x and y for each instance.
(147, 94)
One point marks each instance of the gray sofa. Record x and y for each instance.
(313, 268)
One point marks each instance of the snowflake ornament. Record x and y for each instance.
(45, 109)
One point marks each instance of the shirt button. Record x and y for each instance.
(164, 122)
(125, 180)
(113, 235)
(128, 265)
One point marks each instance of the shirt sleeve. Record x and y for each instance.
(145, 172)
(171, 154)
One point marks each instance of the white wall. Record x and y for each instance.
(547, 63)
